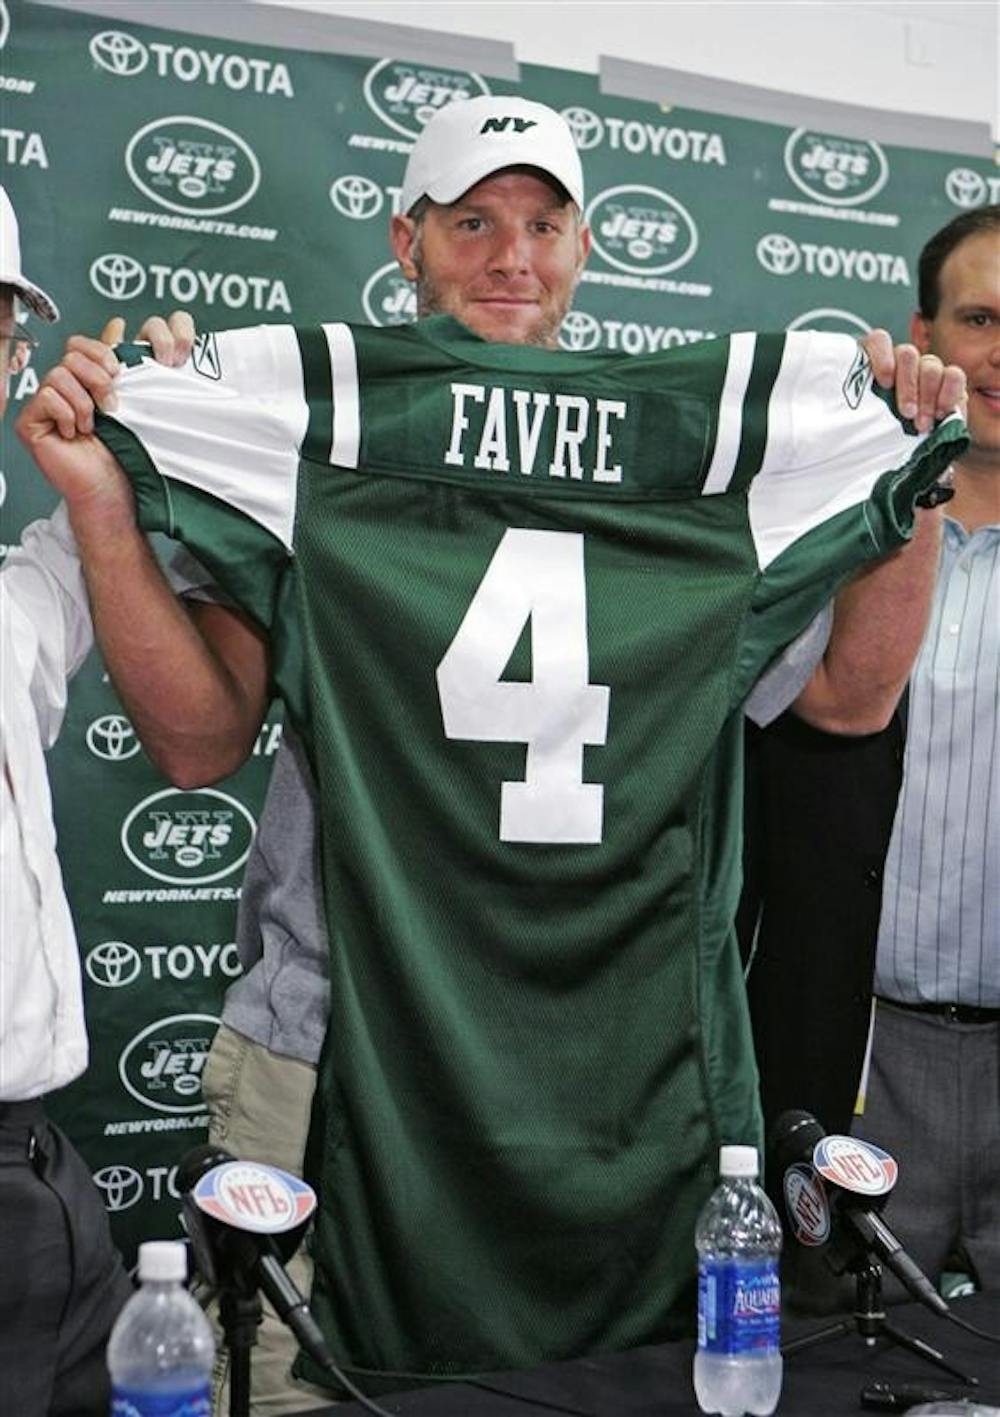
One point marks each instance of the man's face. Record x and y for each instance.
(966, 331)
(504, 259)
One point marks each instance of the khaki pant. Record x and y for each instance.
(259, 1104)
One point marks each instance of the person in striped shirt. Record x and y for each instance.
(850, 879)
(933, 1094)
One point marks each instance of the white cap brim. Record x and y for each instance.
(33, 296)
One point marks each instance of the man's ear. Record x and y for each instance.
(920, 331)
(584, 251)
(402, 237)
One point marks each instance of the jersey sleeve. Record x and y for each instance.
(836, 487)
(832, 435)
(212, 450)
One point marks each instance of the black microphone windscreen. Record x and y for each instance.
(793, 1138)
(196, 1162)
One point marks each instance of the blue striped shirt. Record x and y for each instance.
(939, 935)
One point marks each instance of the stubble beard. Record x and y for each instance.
(543, 333)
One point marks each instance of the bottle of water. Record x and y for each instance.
(737, 1366)
(161, 1350)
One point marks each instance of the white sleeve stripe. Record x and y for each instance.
(730, 430)
(289, 380)
(346, 440)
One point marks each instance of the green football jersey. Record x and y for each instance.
(516, 599)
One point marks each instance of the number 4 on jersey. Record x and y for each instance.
(535, 576)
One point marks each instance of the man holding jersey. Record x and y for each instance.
(514, 601)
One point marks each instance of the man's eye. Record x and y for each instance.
(471, 223)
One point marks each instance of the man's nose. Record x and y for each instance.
(510, 252)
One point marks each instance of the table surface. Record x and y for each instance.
(824, 1380)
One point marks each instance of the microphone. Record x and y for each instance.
(859, 1176)
(247, 1218)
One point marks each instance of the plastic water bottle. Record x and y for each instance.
(737, 1365)
(161, 1350)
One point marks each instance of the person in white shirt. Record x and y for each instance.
(880, 862)
(62, 1282)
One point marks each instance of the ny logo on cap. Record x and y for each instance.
(500, 125)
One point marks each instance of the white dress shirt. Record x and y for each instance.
(45, 633)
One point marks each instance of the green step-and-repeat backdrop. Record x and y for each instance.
(154, 169)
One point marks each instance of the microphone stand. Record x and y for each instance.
(240, 1309)
(870, 1322)
(240, 1312)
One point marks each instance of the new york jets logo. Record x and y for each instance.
(405, 96)
(838, 171)
(120, 1186)
(117, 276)
(112, 738)
(587, 128)
(779, 254)
(580, 332)
(388, 297)
(642, 230)
(192, 165)
(183, 837)
(508, 123)
(119, 53)
(161, 1067)
(113, 964)
(4, 24)
(357, 197)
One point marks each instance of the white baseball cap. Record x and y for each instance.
(10, 265)
(474, 137)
